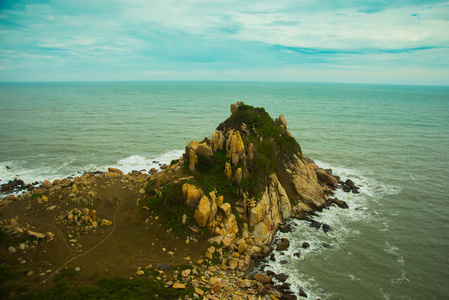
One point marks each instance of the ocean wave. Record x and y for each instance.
(345, 224)
(10, 170)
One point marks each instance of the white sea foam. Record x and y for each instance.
(342, 223)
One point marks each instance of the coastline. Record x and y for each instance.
(214, 275)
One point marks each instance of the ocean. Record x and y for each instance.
(392, 141)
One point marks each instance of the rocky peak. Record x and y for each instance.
(253, 166)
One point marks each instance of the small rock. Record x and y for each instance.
(297, 254)
(163, 267)
(326, 228)
(105, 223)
(326, 245)
(12, 250)
(77, 269)
(186, 272)
(283, 245)
(179, 286)
(305, 245)
(302, 293)
(199, 291)
(211, 249)
(282, 277)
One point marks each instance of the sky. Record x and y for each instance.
(393, 42)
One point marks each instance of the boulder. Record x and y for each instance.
(193, 159)
(204, 150)
(36, 235)
(203, 211)
(326, 228)
(47, 184)
(225, 209)
(105, 223)
(163, 267)
(115, 170)
(315, 224)
(302, 293)
(191, 194)
(305, 245)
(228, 171)
(179, 286)
(238, 176)
(262, 278)
(327, 178)
(283, 245)
(281, 277)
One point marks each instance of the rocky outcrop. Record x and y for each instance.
(263, 178)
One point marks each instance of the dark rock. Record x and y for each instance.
(305, 245)
(355, 191)
(289, 297)
(349, 182)
(339, 203)
(326, 245)
(272, 257)
(164, 267)
(297, 254)
(267, 251)
(302, 293)
(8, 168)
(155, 162)
(326, 228)
(347, 188)
(270, 273)
(281, 277)
(283, 245)
(315, 224)
(164, 166)
(283, 262)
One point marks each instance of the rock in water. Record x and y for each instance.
(283, 245)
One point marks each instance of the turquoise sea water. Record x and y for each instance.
(393, 141)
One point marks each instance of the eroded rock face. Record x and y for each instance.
(273, 209)
(306, 185)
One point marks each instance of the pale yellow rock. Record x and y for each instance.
(191, 195)
(203, 211)
(105, 223)
(140, 272)
(228, 171)
(115, 170)
(238, 176)
(193, 159)
(217, 141)
(204, 150)
(199, 291)
(179, 286)
(142, 191)
(211, 249)
(47, 184)
(36, 235)
(44, 198)
(225, 209)
(220, 200)
(184, 219)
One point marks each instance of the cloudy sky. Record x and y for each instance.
(399, 41)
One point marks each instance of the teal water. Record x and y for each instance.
(393, 141)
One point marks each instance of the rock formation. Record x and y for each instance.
(248, 179)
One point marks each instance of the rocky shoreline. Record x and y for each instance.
(255, 195)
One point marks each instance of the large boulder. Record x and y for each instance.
(204, 150)
(191, 195)
(327, 178)
(203, 211)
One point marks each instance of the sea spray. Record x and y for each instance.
(344, 224)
